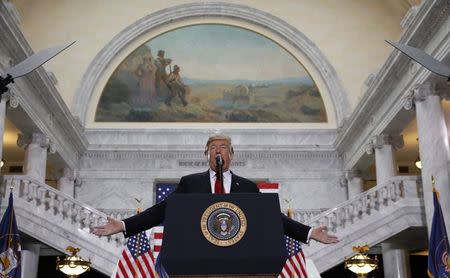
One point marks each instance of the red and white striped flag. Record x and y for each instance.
(136, 259)
(163, 190)
(156, 234)
(295, 265)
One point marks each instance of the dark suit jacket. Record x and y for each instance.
(200, 183)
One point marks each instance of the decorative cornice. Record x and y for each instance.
(409, 17)
(254, 155)
(390, 92)
(204, 10)
(12, 11)
(38, 96)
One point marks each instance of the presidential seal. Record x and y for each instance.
(223, 224)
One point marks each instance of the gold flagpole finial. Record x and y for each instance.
(290, 213)
(139, 207)
(433, 184)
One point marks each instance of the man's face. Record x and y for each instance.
(221, 147)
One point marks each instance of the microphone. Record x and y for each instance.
(219, 160)
(219, 171)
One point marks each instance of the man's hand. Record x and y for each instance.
(321, 234)
(113, 226)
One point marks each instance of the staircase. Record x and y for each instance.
(369, 218)
(59, 220)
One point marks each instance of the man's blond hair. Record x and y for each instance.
(215, 137)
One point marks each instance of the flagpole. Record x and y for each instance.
(290, 214)
(138, 210)
(9, 226)
(11, 188)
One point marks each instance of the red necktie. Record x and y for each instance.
(218, 186)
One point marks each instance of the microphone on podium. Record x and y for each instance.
(219, 160)
(219, 171)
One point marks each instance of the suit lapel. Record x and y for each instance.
(206, 182)
(234, 183)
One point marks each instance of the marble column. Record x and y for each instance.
(36, 147)
(395, 261)
(433, 146)
(354, 183)
(66, 182)
(384, 146)
(30, 260)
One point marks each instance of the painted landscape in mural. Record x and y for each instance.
(210, 73)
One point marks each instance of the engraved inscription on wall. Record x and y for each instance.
(202, 163)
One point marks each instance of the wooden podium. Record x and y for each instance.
(191, 249)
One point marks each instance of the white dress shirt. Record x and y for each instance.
(226, 180)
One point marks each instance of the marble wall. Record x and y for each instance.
(111, 180)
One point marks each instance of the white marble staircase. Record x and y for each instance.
(59, 220)
(369, 218)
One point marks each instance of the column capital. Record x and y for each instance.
(369, 147)
(353, 173)
(40, 139)
(348, 176)
(419, 92)
(443, 90)
(11, 98)
(422, 91)
(378, 141)
(386, 139)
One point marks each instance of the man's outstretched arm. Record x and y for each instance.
(321, 234)
(113, 226)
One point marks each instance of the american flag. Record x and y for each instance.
(295, 265)
(136, 258)
(162, 191)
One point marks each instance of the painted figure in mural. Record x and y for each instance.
(161, 74)
(146, 72)
(176, 87)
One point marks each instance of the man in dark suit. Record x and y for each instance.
(218, 146)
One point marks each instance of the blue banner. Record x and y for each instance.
(9, 244)
(438, 249)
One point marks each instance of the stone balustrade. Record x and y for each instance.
(368, 218)
(367, 203)
(305, 215)
(37, 203)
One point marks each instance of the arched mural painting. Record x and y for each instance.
(210, 73)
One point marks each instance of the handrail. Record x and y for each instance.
(56, 203)
(382, 195)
